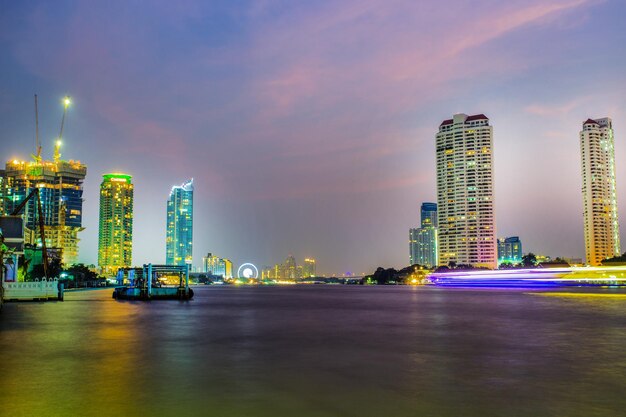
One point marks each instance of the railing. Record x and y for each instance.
(33, 290)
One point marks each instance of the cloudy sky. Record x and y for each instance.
(309, 127)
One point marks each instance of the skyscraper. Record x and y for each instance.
(423, 240)
(308, 269)
(428, 214)
(179, 238)
(601, 224)
(510, 250)
(60, 186)
(290, 268)
(466, 214)
(115, 237)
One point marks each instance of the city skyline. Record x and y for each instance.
(309, 171)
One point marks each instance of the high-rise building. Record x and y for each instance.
(601, 224)
(423, 246)
(509, 250)
(466, 216)
(60, 186)
(290, 268)
(179, 237)
(423, 240)
(215, 265)
(115, 237)
(308, 269)
(428, 214)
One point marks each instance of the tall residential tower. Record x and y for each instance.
(179, 236)
(115, 237)
(599, 196)
(465, 191)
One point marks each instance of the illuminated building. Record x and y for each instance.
(428, 214)
(60, 186)
(510, 250)
(466, 216)
(423, 240)
(290, 268)
(601, 226)
(115, 237)
(215, 265)
(267, 272)
(308, 269)
(179, 236)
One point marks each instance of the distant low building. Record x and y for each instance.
(509, 250)
(215, 265)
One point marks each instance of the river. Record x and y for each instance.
(318, 350)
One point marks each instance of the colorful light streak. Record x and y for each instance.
(552, 277)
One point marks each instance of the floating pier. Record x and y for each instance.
(143, 283)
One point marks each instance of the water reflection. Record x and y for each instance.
(316, 351)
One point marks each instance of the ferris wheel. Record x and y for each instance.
(248, 271)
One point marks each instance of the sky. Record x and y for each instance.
(309, 127)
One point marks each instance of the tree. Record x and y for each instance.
(615, 260)
(54, 270)
(529, 260)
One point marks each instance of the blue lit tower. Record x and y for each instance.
(428, 214)
(423, 240)
(179, 238)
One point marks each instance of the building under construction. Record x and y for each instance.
(60, 185)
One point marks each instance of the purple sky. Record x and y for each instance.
(309, 126)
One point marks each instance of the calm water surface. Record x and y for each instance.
(316, 351)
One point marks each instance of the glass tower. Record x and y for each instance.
(179, 236)
(423, 240)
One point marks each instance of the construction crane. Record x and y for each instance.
(57, 146)
(42, 232)
(37, 156)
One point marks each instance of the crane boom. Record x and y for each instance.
(38, 144)
(57, 146)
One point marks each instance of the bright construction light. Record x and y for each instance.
(59, 143)
(67, 101)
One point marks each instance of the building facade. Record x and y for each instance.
(115, 232)
(60, 186)
(601, 225)
(423, 246)
(309, 268)
(509, 250)
(423, 240)
(179, 236)
(466, 216)
(428, 215)
(290, 268)
(215, 265)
